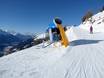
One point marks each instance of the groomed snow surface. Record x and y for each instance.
(83, 58)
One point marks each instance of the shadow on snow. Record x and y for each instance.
(84, 42)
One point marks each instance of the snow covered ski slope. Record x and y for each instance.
(83, 58)
(98, 23)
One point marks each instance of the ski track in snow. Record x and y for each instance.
(82, 61)
(83, 58)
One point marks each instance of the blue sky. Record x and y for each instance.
(35, 15)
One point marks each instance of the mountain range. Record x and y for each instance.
(11, 39)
